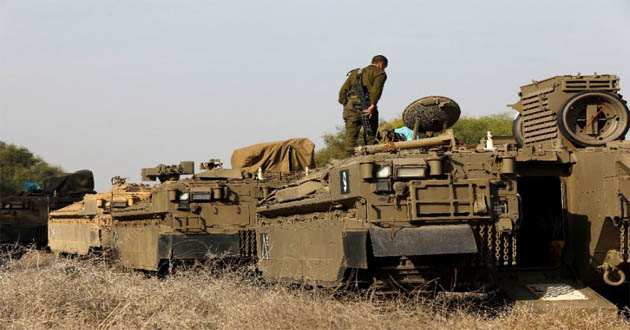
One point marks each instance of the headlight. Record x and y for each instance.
(411, 172)
(384, 172)
(183, 197)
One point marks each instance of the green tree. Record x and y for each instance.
(468, 131)
(18, 164)
(333, 147)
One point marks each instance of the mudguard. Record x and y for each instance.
(422, 241)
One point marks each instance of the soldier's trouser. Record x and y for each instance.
(352, 118)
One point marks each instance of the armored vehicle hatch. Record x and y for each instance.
(431, 114)
(585, 111)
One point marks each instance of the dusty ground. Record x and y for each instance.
(39, 292)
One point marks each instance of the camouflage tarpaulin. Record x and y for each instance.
(79, 182)
(283, 156)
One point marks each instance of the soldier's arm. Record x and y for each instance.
(343, 92)
(377, 88)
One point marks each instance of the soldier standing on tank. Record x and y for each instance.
(372, 80)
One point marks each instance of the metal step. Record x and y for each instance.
(542, 291)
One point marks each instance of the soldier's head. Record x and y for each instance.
(379, 61)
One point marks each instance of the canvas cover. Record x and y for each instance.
(276, 157)
(77, 183)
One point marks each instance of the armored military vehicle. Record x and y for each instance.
(400, 214)
(86, 226)
(213, 212)
(544, 220)
(23, 218)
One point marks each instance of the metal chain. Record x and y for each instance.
(484, 247)
(505, 250)
(241, 240)
(489, 243)
(622, 245)
(513, 249)
(252, 239)
(497, 245)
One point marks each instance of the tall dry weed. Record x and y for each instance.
(41, 292)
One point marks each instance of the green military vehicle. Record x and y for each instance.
(211, 213)
(23, 218)
(401, 214)
(86, 226)
(544, 216)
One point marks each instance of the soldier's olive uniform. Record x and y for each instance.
(372, 80)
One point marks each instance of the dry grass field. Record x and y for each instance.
(41, 292)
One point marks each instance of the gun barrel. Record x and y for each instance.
(445, 138)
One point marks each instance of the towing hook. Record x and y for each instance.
(620, 274)
(610, 265)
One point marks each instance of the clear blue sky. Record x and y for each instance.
(114, 86)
